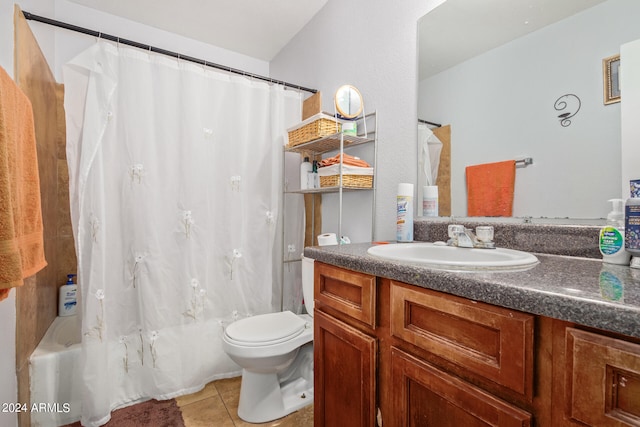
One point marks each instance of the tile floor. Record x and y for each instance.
(217, 406)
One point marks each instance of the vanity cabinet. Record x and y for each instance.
(345, 347)
(392, 354)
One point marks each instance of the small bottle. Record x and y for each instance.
(315, 178)
(632, 224)
(404, 224)
(430, 200)
(68, 297)
(612, 236)
(305, 170)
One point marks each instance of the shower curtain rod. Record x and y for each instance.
(430, 123)
(60, 24)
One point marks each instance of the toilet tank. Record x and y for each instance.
(307, 283)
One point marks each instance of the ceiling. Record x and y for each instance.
(452, 33)
(257, 28)
(458, 30)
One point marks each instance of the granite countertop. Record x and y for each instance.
(576, 289)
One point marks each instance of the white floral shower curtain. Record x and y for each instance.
(175, 181)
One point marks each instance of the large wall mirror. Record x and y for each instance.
(494, 71)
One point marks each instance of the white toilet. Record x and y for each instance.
(275, 352)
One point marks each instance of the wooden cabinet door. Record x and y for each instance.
(344, 374)
(602, 380)
(425, 396)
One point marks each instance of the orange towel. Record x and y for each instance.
(490, 189)
(21, 231)
(347, 160)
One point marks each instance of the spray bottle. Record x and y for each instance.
(612, 238)
(404, 232)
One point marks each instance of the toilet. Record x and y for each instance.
(275, 352)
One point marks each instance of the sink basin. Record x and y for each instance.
(444, 257)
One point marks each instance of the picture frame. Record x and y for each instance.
(611, 76)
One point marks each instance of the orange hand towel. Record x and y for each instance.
(21, 231)
(490, 189)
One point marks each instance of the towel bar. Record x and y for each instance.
(524, 162)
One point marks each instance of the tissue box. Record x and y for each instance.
(352, 176)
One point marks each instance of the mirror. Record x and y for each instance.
(348, 101)
(499, 96)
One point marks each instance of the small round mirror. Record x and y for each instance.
(348, 102)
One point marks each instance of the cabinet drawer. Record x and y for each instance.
(602, 379)
(426, 396)
(487, 341)
(349, 292)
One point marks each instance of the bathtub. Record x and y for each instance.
(55, 376)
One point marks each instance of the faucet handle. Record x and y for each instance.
(484, 233)
(455, 230)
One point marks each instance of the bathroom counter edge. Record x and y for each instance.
(580, 290)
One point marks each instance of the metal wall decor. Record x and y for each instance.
(569, 104)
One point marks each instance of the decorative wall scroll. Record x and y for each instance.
(569, 105)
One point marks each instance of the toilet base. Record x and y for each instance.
(266, 397)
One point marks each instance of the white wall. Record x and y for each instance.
(371, 45)
(501, 107)
(630, 84)
(58, 47)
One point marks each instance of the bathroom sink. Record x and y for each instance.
(444, 257)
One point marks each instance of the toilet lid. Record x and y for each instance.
(266, 328)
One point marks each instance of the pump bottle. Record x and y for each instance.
(612, 238)
(67, 300)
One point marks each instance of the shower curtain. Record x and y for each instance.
(429, 150)
(176, 195)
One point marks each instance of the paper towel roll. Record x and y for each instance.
(327, 239)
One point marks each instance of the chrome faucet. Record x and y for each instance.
(463, 237)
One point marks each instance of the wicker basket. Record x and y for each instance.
(353, 181)
(313, 128)
(352, 177)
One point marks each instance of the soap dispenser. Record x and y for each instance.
(632, 223)
(611, 241)
(68, 298)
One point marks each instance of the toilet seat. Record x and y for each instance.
(266, 329)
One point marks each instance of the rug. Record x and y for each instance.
(152, 413)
